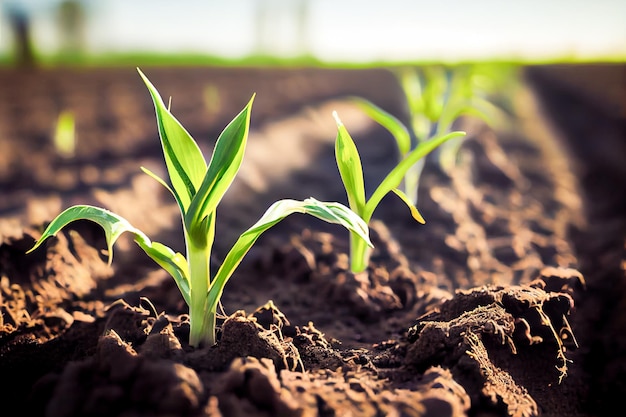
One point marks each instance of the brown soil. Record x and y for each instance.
(510, 300)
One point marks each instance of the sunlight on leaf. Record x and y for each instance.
(223, 167)
(114, 226)
(350, 169)
(185, 163)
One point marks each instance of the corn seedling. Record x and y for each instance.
(351, 171)
(198, 188)
(436, 98)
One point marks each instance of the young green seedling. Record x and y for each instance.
(435, 98)
(351, 171)
(198, 188)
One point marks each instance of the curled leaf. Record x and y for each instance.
(414, 211)
(114, 226)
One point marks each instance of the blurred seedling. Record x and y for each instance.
(64, 137)
(435, 98)
(212, 98)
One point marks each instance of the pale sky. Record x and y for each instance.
(348, 29)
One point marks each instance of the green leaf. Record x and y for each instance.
(223, 167)
(330, 212)
(350, 169)
(173, 262)
(158, 179)
(394, 178)
(185, 164)
(389, 122)
(114, 226)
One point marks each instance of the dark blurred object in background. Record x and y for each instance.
(20, 27)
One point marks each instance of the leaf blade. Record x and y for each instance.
(397, 129)
(184, 160)
(330, 212)
(350, 168)
(114, 226)
(173, 262)
(223, 167)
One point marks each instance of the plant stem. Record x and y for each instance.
(202, 322)
(359, 253)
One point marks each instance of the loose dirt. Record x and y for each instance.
(509, 301)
